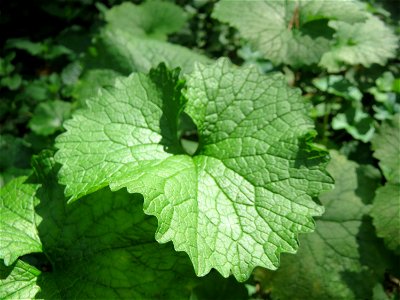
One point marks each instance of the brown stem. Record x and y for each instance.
(295, 19)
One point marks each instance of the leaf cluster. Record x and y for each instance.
(138, 162)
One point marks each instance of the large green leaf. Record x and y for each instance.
(357, 44)
(246, 193)
(343, 259)
(18, 234)
(288, 32)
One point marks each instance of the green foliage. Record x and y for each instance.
(134, 39)
(336, 256)
(93, 248)
(236, 168)
(386, 206)
(49, 116)
(122, 128)
(18, 231)
(152, 19)
(308, 32)
(354, 42)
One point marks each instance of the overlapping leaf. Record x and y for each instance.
(386, 206)
(18, 281)
(18, 233)
(134, 39)
(333, 263)
(100, 247)
(357, 44)
(49, 116)
(386, 144)
(129, 53)
(289, 32)
(386, 214)
(153, 19)
(245, 194)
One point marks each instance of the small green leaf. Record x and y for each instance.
(357, 44)
(6, 66)
(255, 168)
(356, 122)
(45, 49)
(32, 48)
(92, 81)
(49, 117)
(12, 82)
(71, 73)
(339, 86)
(18, 233)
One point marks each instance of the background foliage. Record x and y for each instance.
(345, 61)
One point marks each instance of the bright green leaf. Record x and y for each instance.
(288, 32)
(246, 193)
(18, 234)
(357, 44)
(18, 281)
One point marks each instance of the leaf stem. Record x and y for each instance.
(295, 19)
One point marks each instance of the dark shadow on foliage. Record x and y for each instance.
(309, 154)
(5, 270)
(170, 86)
(317, 28)
(366, 177)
